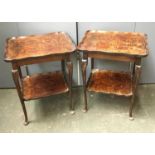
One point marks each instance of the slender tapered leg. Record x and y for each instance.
(63, 66)
(131, 107)
(16, 75)
(136, 76)
(133, 71)
(92, 63)
(84, 65)
(92, 67)
(20, 72)
(63, 69)
(70, 74)
(133, 96)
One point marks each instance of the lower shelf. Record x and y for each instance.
(117, 83)
(44, 84)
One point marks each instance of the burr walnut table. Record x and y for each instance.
(117, 46)
(27, 50)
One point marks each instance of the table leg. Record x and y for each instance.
(20, 72)
(92, 63)
(27, 70)
(84, 66)
(63, 66)
(15, 75)
(70, 74)
(63, 69)
(136, 76)
(133, 71)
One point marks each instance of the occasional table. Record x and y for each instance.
(118, 46)
(34, 49)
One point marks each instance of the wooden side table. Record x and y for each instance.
(27, 50)
(117, 46)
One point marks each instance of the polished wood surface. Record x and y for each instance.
(125, 43)
(25, 47)
(42, 85)
(110, 82)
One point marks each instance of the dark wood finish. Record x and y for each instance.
(15, 75)
(44, 84)
(27, 50)
(70, 73)
(124, 43)
(20, 73)
(84, 63)
(118, 46)
(115, 57)
(137, 72)
(63, 66)
(27, 70)
(26, 47)
(117, 83)
(54, 57)
(92, 63)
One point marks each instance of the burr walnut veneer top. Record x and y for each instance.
(127, 43)
(38, 45)
(44, 84)
(110, 82)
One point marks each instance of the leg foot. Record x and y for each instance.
(72, 112)
(26, 123)
(131, 118)
(131, 108)
(84, 110)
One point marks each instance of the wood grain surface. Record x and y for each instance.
(110, 82)
(23, 47)
(127, 43)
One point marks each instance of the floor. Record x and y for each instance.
(107, 113)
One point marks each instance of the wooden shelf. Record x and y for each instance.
(43, 85)
(109, 82)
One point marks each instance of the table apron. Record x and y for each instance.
(37, 60)
(112, 57)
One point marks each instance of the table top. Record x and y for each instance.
(125, 43)
(32, 46)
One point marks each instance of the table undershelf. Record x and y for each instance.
(43, 85)
(110, 82)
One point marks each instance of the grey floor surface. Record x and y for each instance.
(107, 113)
